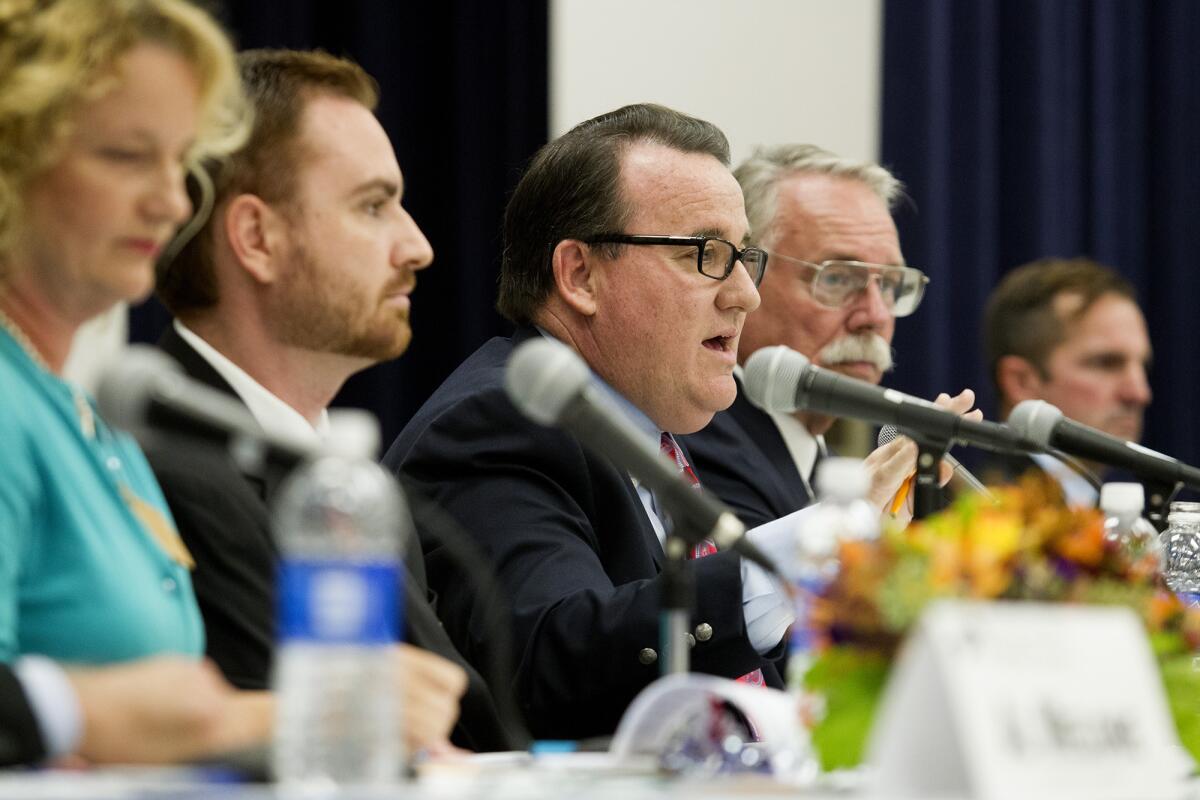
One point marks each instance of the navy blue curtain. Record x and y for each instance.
(464, 99)
(1027, 128)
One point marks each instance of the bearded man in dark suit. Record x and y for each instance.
(301, 277)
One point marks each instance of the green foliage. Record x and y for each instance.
(1182, 682)
(1030, 546)
(851, 681)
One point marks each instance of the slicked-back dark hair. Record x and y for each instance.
(278, 83)
(1020, 318)
(572, 189)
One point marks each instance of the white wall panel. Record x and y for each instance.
(765, 71)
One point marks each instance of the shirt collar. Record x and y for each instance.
(1078, 492)
(273, 415)
(640, 420)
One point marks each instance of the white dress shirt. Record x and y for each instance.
(1076, 489)
(275, 417)
(53, 702)
(801, 445)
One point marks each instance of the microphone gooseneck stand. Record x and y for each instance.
(678, 596)
(1158, 502)
(927, 490)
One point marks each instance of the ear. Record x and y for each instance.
(574, 275)
(255, 233)
(1018, 379)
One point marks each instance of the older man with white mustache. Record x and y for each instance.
(836, 283)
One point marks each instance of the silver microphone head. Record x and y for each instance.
(887, 434)
(126, 389)
(1035, 420)
(890, 433)
(771, 377)
(543, 376)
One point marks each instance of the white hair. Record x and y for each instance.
(761, 174)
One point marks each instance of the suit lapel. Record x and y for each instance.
(199, 370)
(763, 431)
(641, 514)
(192, 362)
(523, 334)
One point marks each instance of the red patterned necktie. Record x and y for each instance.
(708, 546)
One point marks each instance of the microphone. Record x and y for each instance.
(551, 385)
(889, 433)
(147, 393)
(1045, 424)
(780, 379)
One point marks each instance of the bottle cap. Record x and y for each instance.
(842, 478)
(353, 433)
(1118, 497)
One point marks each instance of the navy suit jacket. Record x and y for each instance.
(223, 518)
(741, 456)
(572, 547)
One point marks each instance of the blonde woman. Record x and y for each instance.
(103, 107)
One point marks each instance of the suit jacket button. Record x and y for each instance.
(704, 631)
(647, 656)
(691, 640)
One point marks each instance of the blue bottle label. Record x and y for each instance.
(339, 602)
(1189, 599)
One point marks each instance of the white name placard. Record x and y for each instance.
(1025, 700)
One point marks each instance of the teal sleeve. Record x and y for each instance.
(19, 497)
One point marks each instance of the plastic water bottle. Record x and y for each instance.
(1122, 504)
(340, 522)
(842, 486)
(1181, 551)
(843, 514)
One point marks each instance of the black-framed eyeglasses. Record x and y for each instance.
(715, 258)
(836, 283)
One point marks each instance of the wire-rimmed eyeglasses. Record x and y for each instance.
(836, 283)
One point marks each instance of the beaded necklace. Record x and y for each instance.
(87, 420)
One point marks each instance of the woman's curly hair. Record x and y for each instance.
(56, 55)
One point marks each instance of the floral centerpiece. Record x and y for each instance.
(1027, 546)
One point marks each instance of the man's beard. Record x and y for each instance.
(868, 347)
(331, 315)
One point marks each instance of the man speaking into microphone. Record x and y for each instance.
(837, 283)
(626, 239)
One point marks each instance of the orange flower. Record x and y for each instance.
(1083, 544)
(1162, 607)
